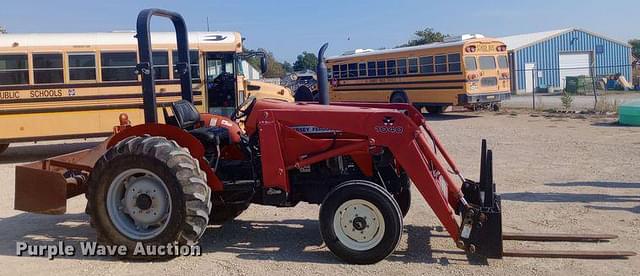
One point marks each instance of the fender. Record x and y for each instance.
(181, 137)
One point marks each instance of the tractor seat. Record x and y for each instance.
(187, 117)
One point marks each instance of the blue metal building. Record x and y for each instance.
(542, 61)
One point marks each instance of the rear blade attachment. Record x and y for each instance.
(481, 227)
(43, 187)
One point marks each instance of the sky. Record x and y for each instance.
(288, 27)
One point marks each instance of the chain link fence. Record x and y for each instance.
(596, 87)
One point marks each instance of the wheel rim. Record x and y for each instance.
(358, 224)
(138, 204)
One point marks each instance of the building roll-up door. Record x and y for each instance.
(573, 65)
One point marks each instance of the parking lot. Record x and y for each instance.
(555, 174)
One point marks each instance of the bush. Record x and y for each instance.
(567, 100)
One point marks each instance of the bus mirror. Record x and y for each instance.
(263, 64)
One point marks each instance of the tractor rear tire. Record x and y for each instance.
(3, 148)
(225, 213)
(360, 222)
(171, 204)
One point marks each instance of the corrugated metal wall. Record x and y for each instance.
(616, 57)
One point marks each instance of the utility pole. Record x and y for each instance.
(207, 24)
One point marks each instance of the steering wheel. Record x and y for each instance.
(245, 109)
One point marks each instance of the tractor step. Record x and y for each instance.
(552, 237)
(573, 254)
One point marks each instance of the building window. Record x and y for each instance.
(371, 66)
(343, 71)
(47, 68)
(119, 66)
(413, 65)
(441, 64)
(426, 65)
(402, 66)
(381, 68)
(194, 61)
(335, 70)
(502, 62)
(82, 66)
(487, 63)
(391, 67)
(470, 63)
(14, 69)
(161, 65)
(353, 70)
(362, 69)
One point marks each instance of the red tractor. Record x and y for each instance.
(164, 183)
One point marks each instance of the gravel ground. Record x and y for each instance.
(556, 175)
(545, 101)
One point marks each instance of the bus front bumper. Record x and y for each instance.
(478, 99)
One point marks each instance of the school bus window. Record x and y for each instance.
(193, 60)
(454, 62)
(470, 63)
(381, 68)
(335, 70)
(13, 69)
(441, 64)
(426, 65)
(391, 67)
(161, 65)
(82, 66)
(353, 70)
(402, 66)
(343, 71)
(487, 63)
(371, 66)
(502, 62)
(413, 65)
(47, 68)
(119, 66)
(362, 69)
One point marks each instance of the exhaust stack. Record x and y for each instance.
(323, 77)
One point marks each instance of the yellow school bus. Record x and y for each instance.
(470, 71)
(74, 85)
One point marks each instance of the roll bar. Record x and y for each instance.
(145, 67)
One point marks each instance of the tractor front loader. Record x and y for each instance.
(164, 183)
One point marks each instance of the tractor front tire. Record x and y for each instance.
(360, 222)
(148, 190)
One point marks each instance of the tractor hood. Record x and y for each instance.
(263, 90)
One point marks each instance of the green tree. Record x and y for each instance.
(426, 36)
(305, 61)
(3, 30)
(275, 69)
(635, 44)
(287, 67)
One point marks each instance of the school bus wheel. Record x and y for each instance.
(3, 147)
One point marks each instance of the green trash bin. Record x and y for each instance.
(629, 113)
(571, 86)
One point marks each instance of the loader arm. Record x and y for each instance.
(405, 136)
